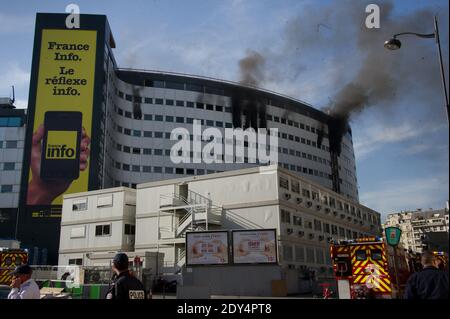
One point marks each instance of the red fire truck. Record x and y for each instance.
(9, 260)
(362, 269)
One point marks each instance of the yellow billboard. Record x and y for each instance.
(60, 145)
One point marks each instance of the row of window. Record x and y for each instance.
(6, 188)
(8, 144)
(11, 122)
(305, 254)
(302, 140)
(317, 225)
(170, 102)
(9, 166)
(105, 230)
(203, 106)
(323, 198)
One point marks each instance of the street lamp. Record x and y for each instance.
(395, 44)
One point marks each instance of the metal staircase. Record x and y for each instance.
(194, 212)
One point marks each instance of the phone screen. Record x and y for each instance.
(60, 157)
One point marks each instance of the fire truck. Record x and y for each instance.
(362, 268)
(9, 260)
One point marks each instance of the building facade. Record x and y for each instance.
(421, 229)
(12, 136)
(98, 221)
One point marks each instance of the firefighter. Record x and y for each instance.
(23, 287)
(125, 285)
(429, 283)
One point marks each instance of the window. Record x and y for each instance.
(127, 131)
(78, 232)
(136, 168)
(159, 134)
(126, 167)
(309, 255)
(11, 144)
(9, 166)
(136, 150)
(199, 105)
(105, 201)
(103, 230)
(79, 205)
(158, 152)
(180, 119)
(360, 255)
(299, 254)
(159, 118)
(295, 187)
(169, 102)
(285, 216)
(148, 134)
(319, 256)
(326, 228)
(317, 225)
(189, 104)
(297, 220)
(147, 151)
(6, 189)
(305, 193)
(147, 169)
(288, 253)
(76, 261)
(136, 133)
(219, 108)
(284, 183)
(210, 107)
(148, 100)
(179, 171)
(130, 229)
(168, 170)
(159, 101)
(169, 118)
(179, 103)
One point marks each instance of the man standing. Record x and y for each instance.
(125, 285)
(23, 287)
(429, 283)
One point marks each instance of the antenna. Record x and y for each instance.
(14, 96)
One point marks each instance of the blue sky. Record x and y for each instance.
(401, 144)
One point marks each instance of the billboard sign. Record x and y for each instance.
(62, 119)
(207, 248)
(258, 246)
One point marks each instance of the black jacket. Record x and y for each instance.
(430, 283)
(126, 287)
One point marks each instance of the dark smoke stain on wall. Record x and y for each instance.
(248, 109)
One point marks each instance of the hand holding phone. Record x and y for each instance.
(53, 165)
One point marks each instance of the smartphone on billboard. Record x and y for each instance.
(60, 158)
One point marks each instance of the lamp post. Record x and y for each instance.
(395, 44)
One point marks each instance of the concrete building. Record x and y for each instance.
(421, 228)
(12, 136)
(305, 215)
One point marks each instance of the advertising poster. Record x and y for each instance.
(61, 138)
(254, 246)
(207, 248)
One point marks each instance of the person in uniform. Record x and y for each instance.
(125, 285)
(23, 287)
(429, 283)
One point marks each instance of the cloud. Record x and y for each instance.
(379, 135)
(12, 23)
(13, 75)
(406, 194)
